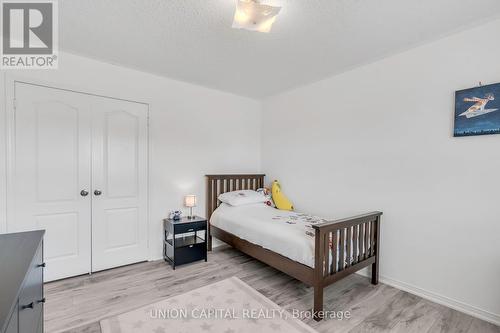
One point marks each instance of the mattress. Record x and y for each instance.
(287, 233)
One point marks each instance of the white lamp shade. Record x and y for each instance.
(253, 16)
(190, 200)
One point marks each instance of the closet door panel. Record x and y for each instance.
(121, 140)
(119, 168)
(49, 167)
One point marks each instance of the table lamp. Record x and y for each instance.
(190, 201)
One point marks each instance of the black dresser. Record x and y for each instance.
(21, 282)
(185, 240)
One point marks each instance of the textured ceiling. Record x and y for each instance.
(192, 40)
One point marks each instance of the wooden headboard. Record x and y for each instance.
(217, 184)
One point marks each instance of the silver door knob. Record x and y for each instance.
(84, 193)
(97, 192)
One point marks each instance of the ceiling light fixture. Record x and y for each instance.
(254, 16)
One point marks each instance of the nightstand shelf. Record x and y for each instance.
(184, 240)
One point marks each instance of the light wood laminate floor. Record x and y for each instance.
(77, 304)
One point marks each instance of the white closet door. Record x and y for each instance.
(119, 177)
(49, 167)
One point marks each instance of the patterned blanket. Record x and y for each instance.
(305, 221)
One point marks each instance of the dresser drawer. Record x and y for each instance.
(31, 296)
(21, 282)
(40, 325)
(189, 227)
(29, 319)
(12, 326)
(190, 253)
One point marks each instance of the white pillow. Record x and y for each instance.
(242, 197)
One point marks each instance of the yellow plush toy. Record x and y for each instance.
(280, 200)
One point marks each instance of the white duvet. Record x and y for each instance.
(280, 231)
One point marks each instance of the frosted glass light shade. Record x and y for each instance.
(190, 201)
(254, 16)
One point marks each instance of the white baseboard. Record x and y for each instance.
(440, 299)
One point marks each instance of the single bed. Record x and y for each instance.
(311, 249)
(288, 233)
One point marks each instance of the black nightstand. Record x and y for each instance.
(185, 240)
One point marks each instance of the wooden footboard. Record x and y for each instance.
(343, 247)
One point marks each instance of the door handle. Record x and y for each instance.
(84, 193)
(97, 192)
(27, 306)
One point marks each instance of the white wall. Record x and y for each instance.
(380, 138)
(193, 130)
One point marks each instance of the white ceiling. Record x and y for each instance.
(192, 40)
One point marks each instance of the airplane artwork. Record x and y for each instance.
(477, 111)
(479, 107)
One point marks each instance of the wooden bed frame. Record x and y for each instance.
(364, 230)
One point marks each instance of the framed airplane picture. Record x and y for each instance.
(477, 111)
